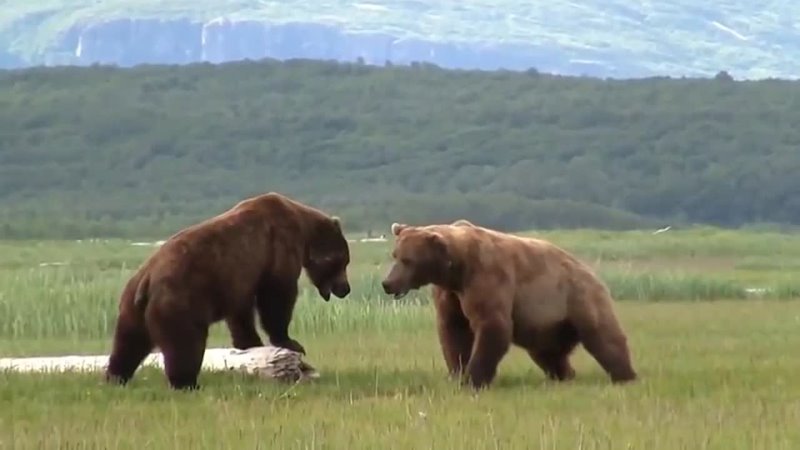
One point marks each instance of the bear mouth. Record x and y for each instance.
(324, 292)
(399, 295)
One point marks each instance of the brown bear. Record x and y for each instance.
(492, 289)
(244, 260)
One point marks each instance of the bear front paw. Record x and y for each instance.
(290, 344)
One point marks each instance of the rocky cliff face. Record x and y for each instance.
(615, 38)
(127, 42)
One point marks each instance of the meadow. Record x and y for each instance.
(713, 318)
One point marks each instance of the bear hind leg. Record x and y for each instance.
(183, 345)
(556, 366)
(131, 345)
(552, 350)
(610, 349)
(183, 359)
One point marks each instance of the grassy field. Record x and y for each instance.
(718, 363)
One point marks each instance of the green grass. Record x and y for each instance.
(719, 371)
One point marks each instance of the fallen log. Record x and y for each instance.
(265, 362)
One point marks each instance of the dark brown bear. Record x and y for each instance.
(228, 267)
(493, 289)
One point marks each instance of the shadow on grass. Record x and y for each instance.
(371, 382)
(347, 384)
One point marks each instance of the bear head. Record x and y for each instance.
(327, 258)
(420, 257)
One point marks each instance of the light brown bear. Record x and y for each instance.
(244, 260)
(492, 289)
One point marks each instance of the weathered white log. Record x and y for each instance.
(265, 362)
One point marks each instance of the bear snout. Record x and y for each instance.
(341, 290)
(394, 288)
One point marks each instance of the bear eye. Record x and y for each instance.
(405, 261)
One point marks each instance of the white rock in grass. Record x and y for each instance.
(265, 362)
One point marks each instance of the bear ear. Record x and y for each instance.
(463, 223)
(337, 222)
(398, 228)
(439, 246)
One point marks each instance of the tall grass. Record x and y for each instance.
(77, 297)
(37, 303)
(686, 243)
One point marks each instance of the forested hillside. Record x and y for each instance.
(143, 151)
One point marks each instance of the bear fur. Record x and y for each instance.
(244, 260)
(492, 289)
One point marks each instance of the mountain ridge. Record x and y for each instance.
(586, 37)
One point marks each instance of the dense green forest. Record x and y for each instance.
(144, 151)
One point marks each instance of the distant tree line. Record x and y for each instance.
(145, 151)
